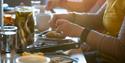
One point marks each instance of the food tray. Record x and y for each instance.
(50, 45)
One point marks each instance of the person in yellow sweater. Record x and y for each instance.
(75, 5)
(111, 47)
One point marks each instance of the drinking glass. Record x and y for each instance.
(40, 16)
(38, 7)
(8, 34)
(8, 41)
(36, 10)
(35, 5)
(35, 2)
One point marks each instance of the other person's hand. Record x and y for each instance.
(55, 3)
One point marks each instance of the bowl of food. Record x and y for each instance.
(54, 35)
(33, 58)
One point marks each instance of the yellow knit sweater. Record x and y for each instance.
(113, 16)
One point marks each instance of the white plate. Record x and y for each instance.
(47, 58)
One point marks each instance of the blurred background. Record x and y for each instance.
(13, 3)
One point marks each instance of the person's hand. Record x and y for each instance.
(55, 3)
(54, 19)
(67, 28)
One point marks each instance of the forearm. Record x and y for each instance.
(89, 20)
(81, 17)
(106, 44)
(79, 6)
(86, 18)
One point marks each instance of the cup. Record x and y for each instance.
(35, 7)
(35, 2)
(42, 20)
(8, 34)
(8, 41)
(41, 8)
(8, 20)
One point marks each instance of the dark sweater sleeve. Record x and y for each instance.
(114, 46)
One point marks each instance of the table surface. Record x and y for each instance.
(79, 58)
(76, 55)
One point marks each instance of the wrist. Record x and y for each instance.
(80, 31)
(84, 34)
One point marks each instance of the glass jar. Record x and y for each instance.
(25, 23)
